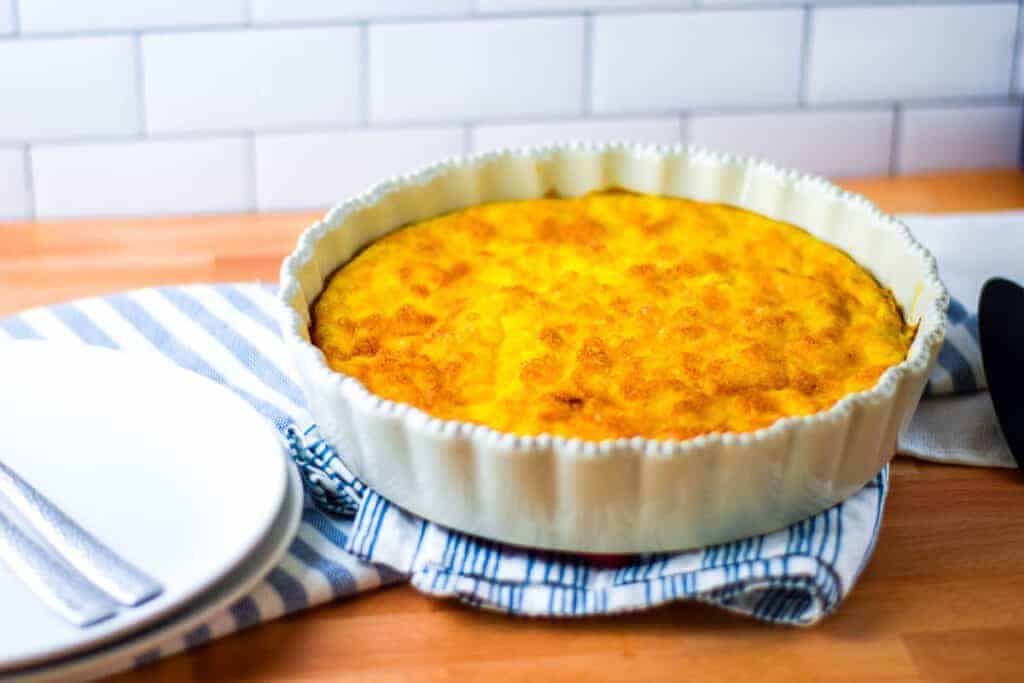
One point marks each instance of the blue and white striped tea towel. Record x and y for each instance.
(227, 333)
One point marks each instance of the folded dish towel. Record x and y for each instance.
(794, 576)
(352, 540)
(958, 424)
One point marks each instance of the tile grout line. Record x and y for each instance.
(1017, 46)
(77, 34)
(805, 55)
(1015, 66)
(364, 74)
(532, 119)
(588, 64)
(15, 18)
(249, 169)
(140, 86)
(30, 186)
(897, 137)
(466, 17)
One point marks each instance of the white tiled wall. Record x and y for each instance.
(59, 88)
(685, 60)
(141, 177)
(119, 107)
(39, 16)
(664, 130)
(6, 16)
(554, 5)
(827, 142)
(465, 70)
(14, 201)
(937, 138)
(277, 11)
(892, 53)
(315, 169)
(251, 80)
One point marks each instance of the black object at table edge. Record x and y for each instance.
(1001, 335)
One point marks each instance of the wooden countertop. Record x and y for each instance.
(942, 599)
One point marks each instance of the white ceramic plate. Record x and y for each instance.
(117, 657)
(171, 470)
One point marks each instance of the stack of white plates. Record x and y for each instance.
(172, 471)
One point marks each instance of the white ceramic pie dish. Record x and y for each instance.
(624, 495)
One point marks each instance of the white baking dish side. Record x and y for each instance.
(623, 495)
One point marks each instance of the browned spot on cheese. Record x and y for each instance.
(455, 273)
(408, 321)
(656, 227)
(368, 346)
(593, 355)
(645, 271)
(541, 370)
(568, 400)
(551, 337)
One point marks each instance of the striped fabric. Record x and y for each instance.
(226, 333)
(352, 540)
(959, 369)
(795, 576)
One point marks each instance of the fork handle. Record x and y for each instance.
(107, 570)
(51, 578)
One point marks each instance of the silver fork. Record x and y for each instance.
(56, 582)
(84, 585)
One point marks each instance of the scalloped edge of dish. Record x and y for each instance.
(403, 452)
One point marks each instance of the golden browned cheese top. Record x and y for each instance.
(609, 315)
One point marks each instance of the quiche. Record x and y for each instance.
(608, 315)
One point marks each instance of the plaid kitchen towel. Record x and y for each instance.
(352, 540)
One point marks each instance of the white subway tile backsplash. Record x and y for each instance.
(664, 130)
(6, 16)
(814, 3)
(14, 200)
(320, 169)
(935, 139)
(688, 60)
(832, 143)
(104, 15)
(66, 88)
(270, 11)
(1018, 76)
(892, 53)
(443, 71)
(547, 5)
(163, 97)
(251, 80)
(141, 177)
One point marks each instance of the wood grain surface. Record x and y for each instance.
(942, 599)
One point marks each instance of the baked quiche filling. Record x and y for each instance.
(609, 315)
